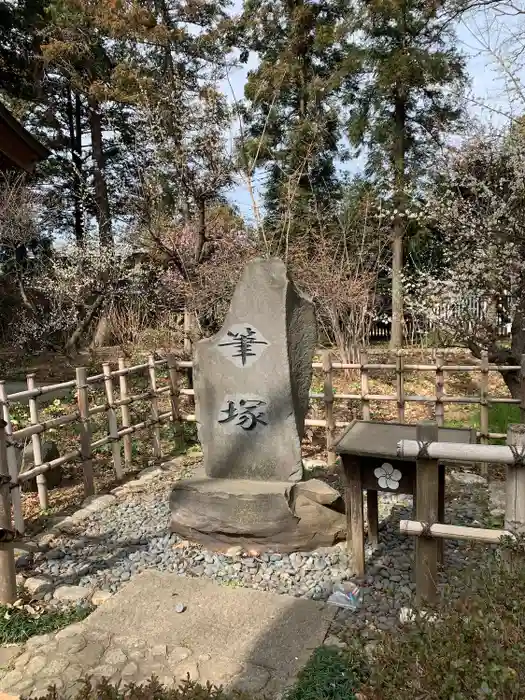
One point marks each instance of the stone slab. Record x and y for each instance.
(276, 515)
(240, 639)
(253, 628)
(252, 379)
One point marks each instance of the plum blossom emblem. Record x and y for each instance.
(387, 477)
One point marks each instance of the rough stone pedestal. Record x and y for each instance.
(276, 515)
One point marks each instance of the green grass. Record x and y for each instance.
(17, 625)
(331, 674)
(501, 415)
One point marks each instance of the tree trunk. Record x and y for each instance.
(75, 140)
(399, 149)
(75, 337)
(396, 337)
(101, 336)
(99, 175)
(201, 230)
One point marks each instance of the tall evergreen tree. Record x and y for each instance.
(294, 123)
(20, 64)
(408, 98)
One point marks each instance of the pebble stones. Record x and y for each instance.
(131, 535)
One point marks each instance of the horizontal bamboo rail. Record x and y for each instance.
(445, 531)
(459, 452)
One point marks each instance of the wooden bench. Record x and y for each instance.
(368, 451)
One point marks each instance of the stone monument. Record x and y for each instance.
(253, 377)
(251, 382)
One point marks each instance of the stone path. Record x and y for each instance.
(243, 639)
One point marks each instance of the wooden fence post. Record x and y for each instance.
(178, 428)
(400, 388)
(12, 463)
(157, 452)
(484, 407)
(85, 431)
(187, 331)
(440, 390)
(7, 554)
(124, 409)
(365, 403)
(427, 499)
(112, 420)
(41, 484)
(515, 483)
(522, 382)
(329, 407)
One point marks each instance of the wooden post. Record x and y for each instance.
(522, 382)
(157, 452)
(484, 407)
(373, 517)
(440, 390)
(85, 431)
(7, 555)
(178, 428)
(124, 412)
(37, 446)
(13, 463)
(400, 388)
(329, 407)
(365, 403)
(439, 412)
(427, 511)
(187, 332)
(112, 421)
(353, 493)
(515, 484)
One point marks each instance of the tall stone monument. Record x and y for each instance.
(252, 381)
(253, 377)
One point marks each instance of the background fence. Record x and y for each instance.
(117, 421)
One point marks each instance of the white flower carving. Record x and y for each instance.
(387, 476)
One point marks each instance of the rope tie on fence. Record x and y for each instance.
(518, 455)
(426, 529)
(423, 446)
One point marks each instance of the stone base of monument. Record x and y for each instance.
(271, 515)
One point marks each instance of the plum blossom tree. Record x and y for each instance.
(476, 210)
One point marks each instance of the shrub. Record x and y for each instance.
(153, 690)
(474, 651)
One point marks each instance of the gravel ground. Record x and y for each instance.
(131, 535)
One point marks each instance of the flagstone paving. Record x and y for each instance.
(239, 638)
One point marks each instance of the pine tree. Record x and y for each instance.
(20, 68)
(408, 97)
(293, 119)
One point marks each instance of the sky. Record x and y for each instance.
(486, 98)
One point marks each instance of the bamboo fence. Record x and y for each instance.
(113, 407)
(117, 410)
(120, 431)
(438, 400)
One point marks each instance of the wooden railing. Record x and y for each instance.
(428, 453)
